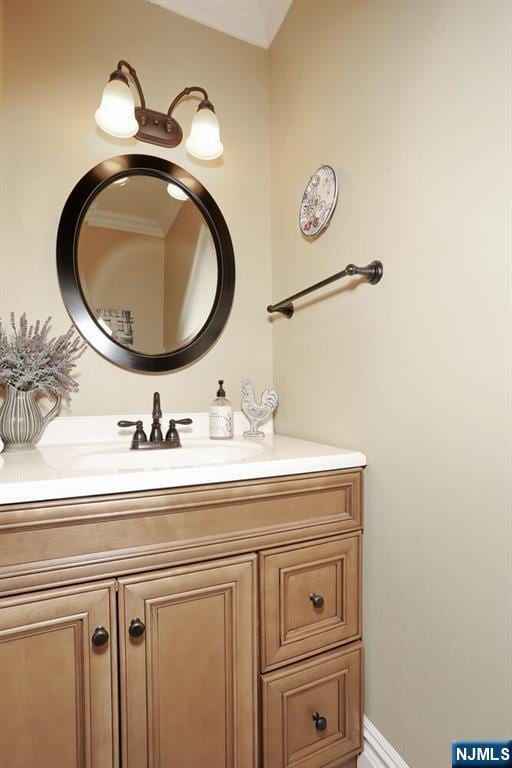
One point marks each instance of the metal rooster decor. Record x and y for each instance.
(255, 412)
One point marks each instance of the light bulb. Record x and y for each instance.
(116, 113)
(174, 191)
(204, 140)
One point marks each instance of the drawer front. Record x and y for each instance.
(310, 598)
(312, 711)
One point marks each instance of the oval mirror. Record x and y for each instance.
(145, 263)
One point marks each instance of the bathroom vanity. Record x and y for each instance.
(181, 623)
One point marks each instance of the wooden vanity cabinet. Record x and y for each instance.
(212, 626)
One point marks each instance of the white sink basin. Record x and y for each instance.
(193, 453)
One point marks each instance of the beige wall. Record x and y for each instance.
(57, 58)
(410, 101)
(125, 270)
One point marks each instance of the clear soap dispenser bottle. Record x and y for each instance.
(221, 416)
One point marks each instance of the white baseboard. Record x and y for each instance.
(378, 753)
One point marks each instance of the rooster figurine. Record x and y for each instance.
(253, 411)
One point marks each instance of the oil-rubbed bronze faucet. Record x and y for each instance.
(156, 441)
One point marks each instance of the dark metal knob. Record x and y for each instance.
(100, 637)
(317, 600)
(137, 628)
(320, 722)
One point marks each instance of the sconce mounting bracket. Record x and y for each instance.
(157, 128)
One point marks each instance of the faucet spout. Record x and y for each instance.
(156, 429)
(157, 411)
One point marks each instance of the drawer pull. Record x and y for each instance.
(320, 722)
(137, 628)
(100, 637)
(317, 600)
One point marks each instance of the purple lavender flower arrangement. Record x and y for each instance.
(30, 360)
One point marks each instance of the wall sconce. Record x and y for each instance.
(118, 115)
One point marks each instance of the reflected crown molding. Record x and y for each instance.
(98, 217)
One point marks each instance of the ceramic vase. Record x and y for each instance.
(21, 420)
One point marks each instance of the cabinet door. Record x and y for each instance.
(188, 680)
(57, 705)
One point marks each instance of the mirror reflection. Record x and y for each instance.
(147, 264)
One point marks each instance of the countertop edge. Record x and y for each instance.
(103, 485)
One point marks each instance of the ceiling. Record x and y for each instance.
(255, 21)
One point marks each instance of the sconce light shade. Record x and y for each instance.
(116, 113)
(204, 140)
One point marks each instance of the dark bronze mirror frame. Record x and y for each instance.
(71, 220)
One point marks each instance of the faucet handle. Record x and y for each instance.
(172, 435)
(139, 435)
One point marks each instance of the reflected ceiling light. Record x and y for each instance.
(121, 182)
(174, 191)
(118, 116)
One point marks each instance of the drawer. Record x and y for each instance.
(309, 598)
(312, 710)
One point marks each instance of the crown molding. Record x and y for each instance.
(254, 21)
(273, 16)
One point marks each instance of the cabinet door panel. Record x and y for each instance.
(189, 682)
(57, 705)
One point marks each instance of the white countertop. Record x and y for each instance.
(81, 456)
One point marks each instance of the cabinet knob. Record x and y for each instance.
(100, 637)
(320, 722)
(317, 600)
(137, 628)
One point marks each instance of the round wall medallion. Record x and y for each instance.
(318, 201)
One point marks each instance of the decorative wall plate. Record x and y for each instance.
(318, 201)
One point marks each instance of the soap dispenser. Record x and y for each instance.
(221, 416)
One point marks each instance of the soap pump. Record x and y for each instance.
(221, 416)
